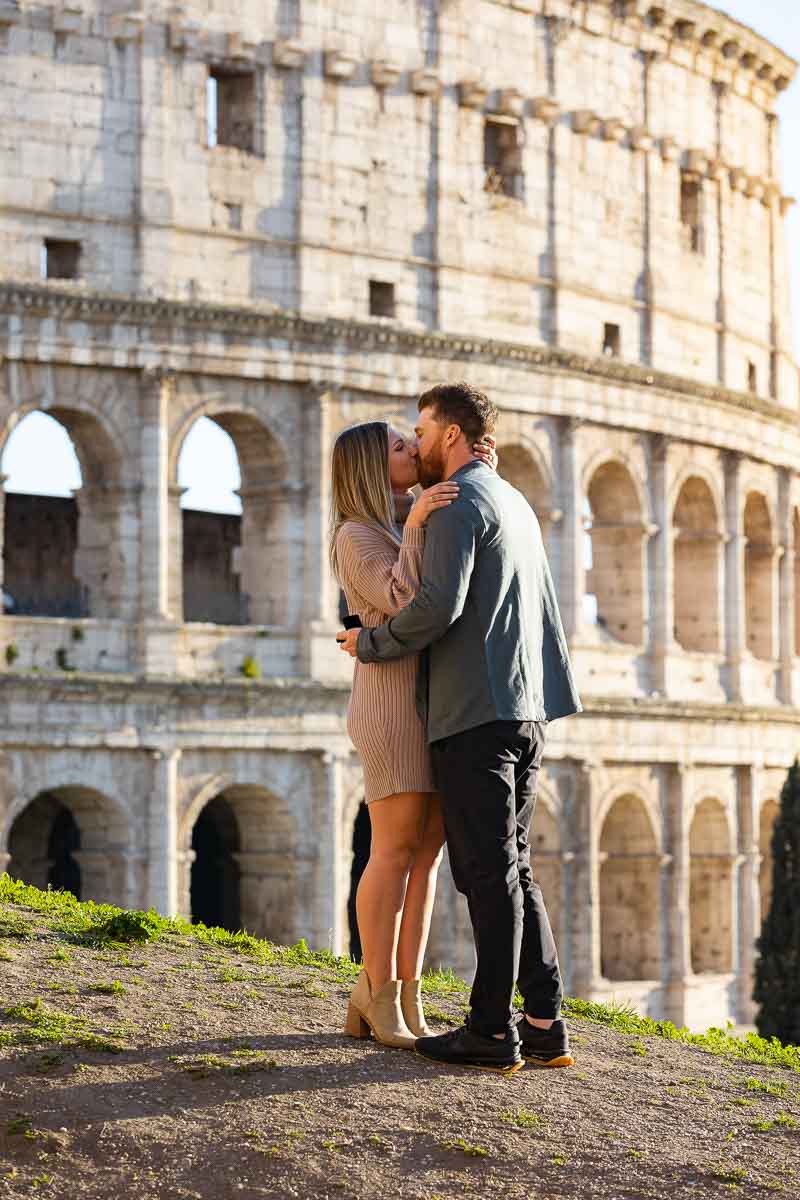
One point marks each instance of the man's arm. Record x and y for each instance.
(446, 570)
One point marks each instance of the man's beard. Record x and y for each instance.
(431, 467)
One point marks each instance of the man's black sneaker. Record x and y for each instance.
(463, 1048)
(544, 1047)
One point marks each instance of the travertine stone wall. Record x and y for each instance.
(619, 286)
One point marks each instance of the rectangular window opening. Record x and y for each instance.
(752, 377)
(502, 157)
(612, 341)
(234, 213)
(231, 109)
(692, 212)
(60, 259)
(381, 298)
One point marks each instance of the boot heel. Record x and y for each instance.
(355, 1025)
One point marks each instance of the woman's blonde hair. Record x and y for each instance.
(360, 487)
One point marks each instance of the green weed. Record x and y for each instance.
(12, 926)
(42, 1024)
(732, 1176)
(769, 1089)
(523, 1118)
(470, 1148)
(114, 988)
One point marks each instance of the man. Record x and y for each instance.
(498, 669)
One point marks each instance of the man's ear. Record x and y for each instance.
(452, 434)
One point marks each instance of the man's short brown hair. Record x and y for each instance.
(463, 405)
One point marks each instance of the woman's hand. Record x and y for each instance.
(438, 496)
(486, 451)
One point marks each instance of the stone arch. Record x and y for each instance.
(629, 892)
(697, 566)
(524, 466)
(251, 834)
(258, 549)
(70, 836)
(618, 532)
(766, 824)
(83, 535)
(710, 888)
(547, 860)
(759, 577)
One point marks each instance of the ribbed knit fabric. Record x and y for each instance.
(379, 578)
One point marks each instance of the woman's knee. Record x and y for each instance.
(393, 856)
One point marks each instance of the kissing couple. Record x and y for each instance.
(461, 662)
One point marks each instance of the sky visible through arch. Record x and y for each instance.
(39, 457)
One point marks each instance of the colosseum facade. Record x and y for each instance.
(290, 215)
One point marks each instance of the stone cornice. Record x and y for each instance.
(77, 303)
(290, 696)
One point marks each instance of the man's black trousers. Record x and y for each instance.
(487, 780)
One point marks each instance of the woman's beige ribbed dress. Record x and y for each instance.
(379, 578)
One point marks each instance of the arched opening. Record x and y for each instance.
(545, 843)
(759, 560)
(697, 568)
(766, 824)
(244, 865)
(234, 526)
(710, 889)
(617, 530)
(517, 465)
(61, 549)
(629, 893)
(71, 838)
(41, 521)
(362, 840)
(214, 884)
(208, 468)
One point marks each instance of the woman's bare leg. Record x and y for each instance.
(420, 894)
(397, 826)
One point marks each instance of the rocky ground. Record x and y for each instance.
(188, 1068)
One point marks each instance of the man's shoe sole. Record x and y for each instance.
(563, 1060)
(506, 1071)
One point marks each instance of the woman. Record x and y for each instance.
(379, 569)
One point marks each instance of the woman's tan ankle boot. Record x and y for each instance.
(380, 1013)
(411, 1004)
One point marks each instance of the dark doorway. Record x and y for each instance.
(43, 843)
(362, 840)
(214, 886)
(210, 582)
(64, 840)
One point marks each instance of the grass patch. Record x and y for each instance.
(42, 1024)
(114, 988)
(732, 1176)
(245, 1062)
(523, 1118)
(12, 926)
(437, 1015)
(768, 1089)
(751, 1048)
(469, 1148)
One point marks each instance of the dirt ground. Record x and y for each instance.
(236, 1081)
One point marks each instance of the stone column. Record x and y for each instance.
(662, 573)
(572, 569)
(163, 832)
(584, 915)
(332, 883)
(319, 656)
(787, 597)
(156, 391)
(678, 922)
(735, 619)
(748, 891)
